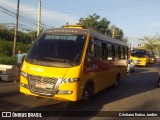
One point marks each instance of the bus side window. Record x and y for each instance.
(113, 52)
(91, 49)
(119, 52)
(109, 46)
(104, 51)
(116, 52)
(124, 52)
(127, 55)
(98, 50)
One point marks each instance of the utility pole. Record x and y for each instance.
(39, 18)
(130, 46)
(16, 29)
(113, 32)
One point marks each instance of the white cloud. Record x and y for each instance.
(52, 18)
(57, 18)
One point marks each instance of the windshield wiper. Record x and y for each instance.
(50, 61)
(31, 60)
(61, 60)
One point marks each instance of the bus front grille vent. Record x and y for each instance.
(41, 85)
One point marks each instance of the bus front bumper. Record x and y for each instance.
(139, 62)
(65, 92)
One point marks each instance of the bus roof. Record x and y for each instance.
(141, 49)
(74, 26)
(81, 31)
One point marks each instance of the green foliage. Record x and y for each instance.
(101, 25)
(33, 35)
(116, 32)
(93, 22)
(6, 47)
(7, 60)
(23, 47)
(152, 43)
(8, 35)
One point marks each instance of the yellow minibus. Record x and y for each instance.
(139, 56)
(151, 57)
(72, 63)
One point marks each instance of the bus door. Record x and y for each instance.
(90, 65)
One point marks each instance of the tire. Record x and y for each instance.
(158, 83)
(118, 79)
(87, 94)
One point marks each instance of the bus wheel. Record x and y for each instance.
(117, 80)
(87, 93)
(158, 83)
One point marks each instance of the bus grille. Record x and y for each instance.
(41, 85)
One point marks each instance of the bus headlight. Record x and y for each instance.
(70, 80)
(24, 74)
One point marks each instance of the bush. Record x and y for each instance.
(6, 47)
(8, 60)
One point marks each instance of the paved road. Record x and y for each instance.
(138, 92)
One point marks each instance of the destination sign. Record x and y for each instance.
(61, 37)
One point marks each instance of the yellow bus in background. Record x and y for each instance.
(151, 57)
(139, 56)
(72, 63)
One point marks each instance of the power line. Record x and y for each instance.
(11, 12)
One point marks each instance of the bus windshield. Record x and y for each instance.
(138, 53)
(59, 50)
(150, 54)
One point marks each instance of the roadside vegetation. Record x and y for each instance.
(7, 60)
(6, 44)
(152, 43)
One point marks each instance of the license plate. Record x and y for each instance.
(135, 61)
(41, 85)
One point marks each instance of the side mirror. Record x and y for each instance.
(88, 60)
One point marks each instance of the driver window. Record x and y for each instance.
(91, 49)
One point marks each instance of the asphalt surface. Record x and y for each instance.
(137, 93)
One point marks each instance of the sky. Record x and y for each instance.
(137, 18)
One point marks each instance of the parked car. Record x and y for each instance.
(131, 66)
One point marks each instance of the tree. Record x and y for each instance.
(116, 32)
(152, 43)
(6, 41)
(101, 25)
(8, 35)
(91, 22)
